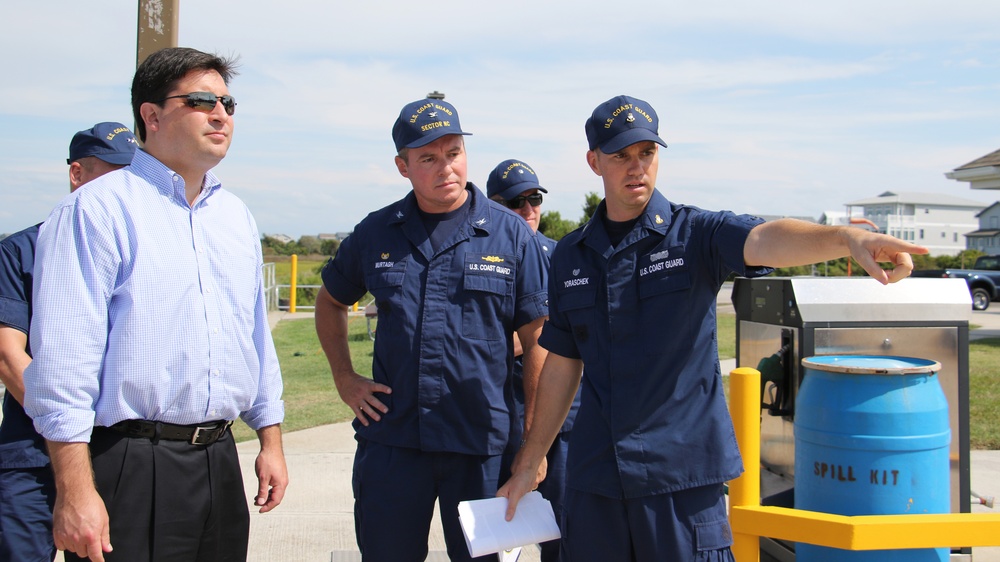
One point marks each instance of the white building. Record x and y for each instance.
(939, 222)
(983, 173)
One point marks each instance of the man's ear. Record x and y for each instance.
(150, 113)
(592, 161)
(75, 176)
(401, 166)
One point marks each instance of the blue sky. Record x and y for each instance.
(781, 107)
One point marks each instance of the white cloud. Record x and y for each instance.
(786, 108)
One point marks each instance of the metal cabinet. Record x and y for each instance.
(780, 321)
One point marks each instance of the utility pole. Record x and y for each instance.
(157, 27)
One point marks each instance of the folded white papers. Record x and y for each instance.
(486, 531)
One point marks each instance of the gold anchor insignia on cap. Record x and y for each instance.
(385, 255)
(629, 118)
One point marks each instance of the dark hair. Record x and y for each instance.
(160, 72)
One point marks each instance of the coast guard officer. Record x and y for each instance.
(514, 184)
(632, 301)
(453, 275)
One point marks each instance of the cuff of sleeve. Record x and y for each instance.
(532, 307)
(14, 313)
(263, 415)
(558, 341)
(66, 427)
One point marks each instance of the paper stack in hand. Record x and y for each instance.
(486, 530)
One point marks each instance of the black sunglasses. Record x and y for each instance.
(205, 101)
(535, 199)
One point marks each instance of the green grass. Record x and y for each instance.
(984, 394)
(726, 324)
(310, 396)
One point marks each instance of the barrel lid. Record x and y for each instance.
(871, 364)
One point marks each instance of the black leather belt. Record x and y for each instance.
(203, 434)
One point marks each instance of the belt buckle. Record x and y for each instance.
(197, 433)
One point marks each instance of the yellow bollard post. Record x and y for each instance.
(294, 282)
(354, 307)
(744, 406)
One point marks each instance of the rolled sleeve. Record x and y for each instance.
(62, 382)
(268, 408)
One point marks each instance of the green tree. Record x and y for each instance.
(330, 247)
(310, 244)
(554, 226)
(965, 259)
(590, 207)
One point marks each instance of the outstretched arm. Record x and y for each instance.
(791, 242)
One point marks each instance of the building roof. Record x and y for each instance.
(918, 198)
(991, 159)
(982, 233)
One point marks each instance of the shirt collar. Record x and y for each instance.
(170, 183)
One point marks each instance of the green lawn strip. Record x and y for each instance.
(310, 396)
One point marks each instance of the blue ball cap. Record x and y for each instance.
(425, 121)
(112, 142)
(622, 121)
(511, 178)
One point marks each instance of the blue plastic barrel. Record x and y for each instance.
(871, 438)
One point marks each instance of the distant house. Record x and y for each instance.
(981, 173)
(280, 238)
(328, 236)
(987, 237)
(939, 222)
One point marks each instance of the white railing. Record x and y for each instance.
(270, 286)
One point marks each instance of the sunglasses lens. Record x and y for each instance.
(206, 101)
(229, 104)
(534, 200)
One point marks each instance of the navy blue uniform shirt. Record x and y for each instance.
(445, 321)
(653, 417)
(20, 445)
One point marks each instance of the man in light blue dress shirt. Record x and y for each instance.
(150, 336)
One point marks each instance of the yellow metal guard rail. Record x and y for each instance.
(750, 520)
